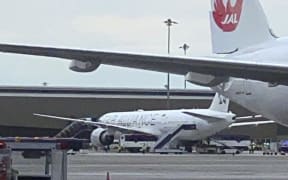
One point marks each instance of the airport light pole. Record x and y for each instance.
(185, 47)
(45, 84)
(169, 23)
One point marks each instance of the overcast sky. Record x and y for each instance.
(126, 25)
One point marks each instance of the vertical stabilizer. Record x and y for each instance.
(236, 24)
(219, 103)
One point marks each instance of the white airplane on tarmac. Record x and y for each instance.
(253, 73)
(166, 125)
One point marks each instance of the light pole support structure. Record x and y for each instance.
(169, 23)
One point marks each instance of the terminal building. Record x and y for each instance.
(19, 103)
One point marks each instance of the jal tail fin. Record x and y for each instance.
(219, 103)
(236, 24)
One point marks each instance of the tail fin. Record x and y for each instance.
(236, 24)
(219, 103)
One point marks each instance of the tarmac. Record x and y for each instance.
(126, 166)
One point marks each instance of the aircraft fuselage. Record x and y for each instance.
(267, 99)
(161, 122)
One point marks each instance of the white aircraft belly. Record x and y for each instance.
(258, 97)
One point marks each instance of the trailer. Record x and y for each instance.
(54, 150)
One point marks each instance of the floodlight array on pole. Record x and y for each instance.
(185, 47)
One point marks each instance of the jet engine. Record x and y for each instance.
(204, 79)
(84, 66)
(100, 137)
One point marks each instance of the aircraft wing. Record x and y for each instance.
(255, 123)
(89, 60)
(103, 125)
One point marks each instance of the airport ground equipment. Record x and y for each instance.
(162, 145)
(75, 130)
(207, 149)
(283, 147)
(54, 150)
(231, 143)
(136, 142)
(5, 162)
(224, 144)
(271, 148)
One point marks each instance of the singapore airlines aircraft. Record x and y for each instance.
(166, 125)
(253, 73)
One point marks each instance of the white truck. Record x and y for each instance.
(136, 142)
(231, 144)
(225, 144)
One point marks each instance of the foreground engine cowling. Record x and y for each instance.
(204, 79)
(84, 66)
(100, 137)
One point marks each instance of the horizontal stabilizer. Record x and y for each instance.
(253, 117)
(255, 123)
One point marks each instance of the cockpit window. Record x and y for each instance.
(106, 118)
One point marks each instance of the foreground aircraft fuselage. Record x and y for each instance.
(267, 99)
(259, 97)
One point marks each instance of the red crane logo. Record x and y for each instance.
(227, 17)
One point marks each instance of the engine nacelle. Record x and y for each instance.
(204, 79)
(100, 137)
(84, 66)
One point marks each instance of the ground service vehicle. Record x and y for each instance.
(137, 142)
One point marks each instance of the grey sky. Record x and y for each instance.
(126, 25)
